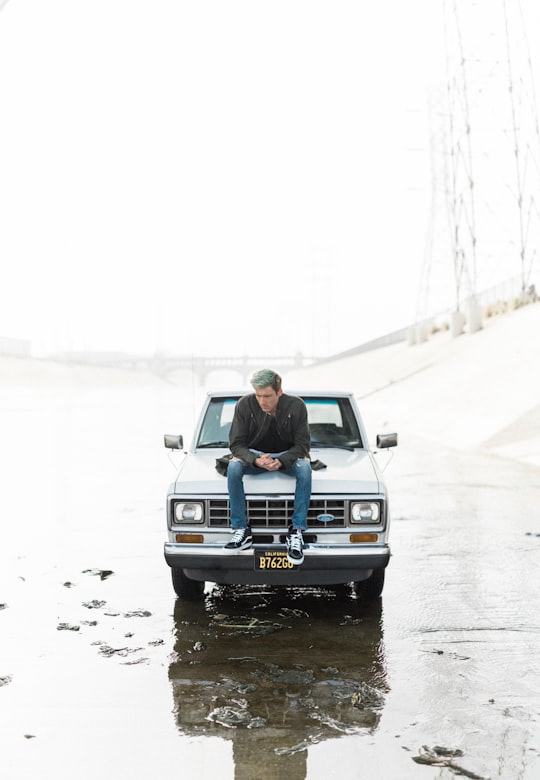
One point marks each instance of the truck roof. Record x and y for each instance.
(302, 393)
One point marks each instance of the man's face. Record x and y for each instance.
(267, 398)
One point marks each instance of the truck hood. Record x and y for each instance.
(346, 472)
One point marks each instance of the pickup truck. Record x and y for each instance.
(348, 523)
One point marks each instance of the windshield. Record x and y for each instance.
(332, 423)
(217, 423)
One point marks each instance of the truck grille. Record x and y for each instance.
(271, 513)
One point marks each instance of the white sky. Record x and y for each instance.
(215, 177)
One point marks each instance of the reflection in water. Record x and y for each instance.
(277, 671)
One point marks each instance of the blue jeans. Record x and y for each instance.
(237, 499)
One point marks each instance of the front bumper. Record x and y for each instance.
(323, 564)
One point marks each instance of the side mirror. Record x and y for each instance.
(385, 440)
(173, 442)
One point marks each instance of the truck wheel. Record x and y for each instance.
(372, 587)
(191, 590)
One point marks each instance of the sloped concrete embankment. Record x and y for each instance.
(479, 391)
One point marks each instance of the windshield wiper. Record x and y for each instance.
(209, 444)
(326, 445)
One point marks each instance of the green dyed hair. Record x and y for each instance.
(265, 377)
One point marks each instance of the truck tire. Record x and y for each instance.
(372, 587)
(190, 590)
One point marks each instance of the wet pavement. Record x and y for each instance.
(103, 673)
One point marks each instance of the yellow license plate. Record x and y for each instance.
(272, 560)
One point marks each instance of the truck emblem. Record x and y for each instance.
(325, 518)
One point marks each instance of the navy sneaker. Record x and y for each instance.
(241, 539)
(295, 547)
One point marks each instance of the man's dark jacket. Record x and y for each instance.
(250, 424)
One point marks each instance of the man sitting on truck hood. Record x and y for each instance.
(269, 432)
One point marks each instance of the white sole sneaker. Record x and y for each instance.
(241, 540)
(295, 549)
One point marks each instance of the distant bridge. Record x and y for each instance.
(165, 365)
(244, 364)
